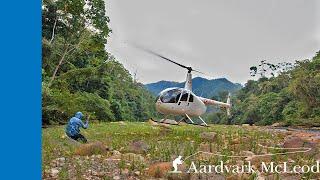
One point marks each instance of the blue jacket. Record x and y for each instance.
(73, 127)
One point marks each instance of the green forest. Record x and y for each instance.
(286, 93)
(78, 74)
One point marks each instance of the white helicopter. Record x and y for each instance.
(182, 101)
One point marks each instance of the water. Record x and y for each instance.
(308, 130)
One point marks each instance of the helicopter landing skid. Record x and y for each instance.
(202, 124)
(173, 122)
(203, 121)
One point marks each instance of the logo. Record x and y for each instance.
(175, 164)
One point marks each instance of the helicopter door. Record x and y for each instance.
(183, 101)
(190, 98)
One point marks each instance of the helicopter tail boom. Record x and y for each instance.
(226, 105)
(213, 102)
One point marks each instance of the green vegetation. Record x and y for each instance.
(291, 95)
(77, 72)
(164, 144)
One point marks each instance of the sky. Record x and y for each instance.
(222, 38)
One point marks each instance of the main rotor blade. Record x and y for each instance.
(199, 72)
(165, 58)
(159, 55)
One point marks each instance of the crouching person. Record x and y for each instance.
(73, 128)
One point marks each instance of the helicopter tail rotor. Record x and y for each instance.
(229, 107)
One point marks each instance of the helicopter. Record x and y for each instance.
(182, 101)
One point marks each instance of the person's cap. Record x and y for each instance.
(79, 114)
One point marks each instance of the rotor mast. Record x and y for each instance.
(188, 84)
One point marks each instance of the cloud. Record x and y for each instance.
(221, 37)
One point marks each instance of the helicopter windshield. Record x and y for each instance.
(170, 96)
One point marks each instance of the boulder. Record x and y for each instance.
(91, 148)
(122, 123)
(137, 173)
(133, 157)
(204, 147)
(235, 141)
(115, 152)
(293, 142)
(256, 160)
(159, 170)
(125, 171)
(210, 176)
(138, 147)
(247, 153)
(58, 162)
(297, 142)
(290, 176)
(276, 124)
(179, 176)
(208, 136)
(116, 177)
(151, 122)
(54, 172)
(205, 156)
(169, 121)
(238, 176)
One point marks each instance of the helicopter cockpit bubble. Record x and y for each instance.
(170, 95)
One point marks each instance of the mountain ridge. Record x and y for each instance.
(201, 86)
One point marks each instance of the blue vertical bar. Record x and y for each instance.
(20, 73)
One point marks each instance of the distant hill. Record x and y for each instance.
(201, 86)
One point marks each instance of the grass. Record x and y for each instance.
(165, 143)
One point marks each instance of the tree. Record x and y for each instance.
(291, 94)
(72, 20)
(79, 74)
(266, 69)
